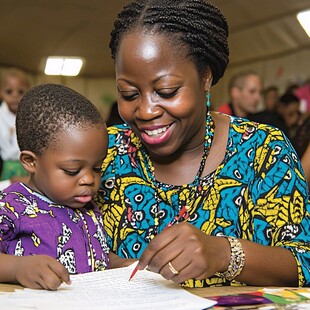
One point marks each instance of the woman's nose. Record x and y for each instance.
(148, 108)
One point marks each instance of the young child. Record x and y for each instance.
(49, 226)
(14, 83)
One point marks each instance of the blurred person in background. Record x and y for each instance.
(14, 83)
(271, 97)
(289, 109)
(270, 115)
(245, 93)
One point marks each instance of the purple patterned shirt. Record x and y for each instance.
(31, 224)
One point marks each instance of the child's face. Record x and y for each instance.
(69, 173)
(12, 90)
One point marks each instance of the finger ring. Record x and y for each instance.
(172, 269)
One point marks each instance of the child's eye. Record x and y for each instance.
(98, 170)
(9, 91)
(71, 172)
(18, 91)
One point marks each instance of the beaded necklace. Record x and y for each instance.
(210, 127)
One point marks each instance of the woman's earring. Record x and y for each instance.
(208, 96)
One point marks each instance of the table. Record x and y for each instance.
(9, 287)
(222, 290)
(202, 292)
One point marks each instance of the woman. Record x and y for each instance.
(248, 214)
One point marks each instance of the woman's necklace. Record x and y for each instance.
(210, 127)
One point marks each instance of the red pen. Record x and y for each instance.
(175, 220)
(178, 217)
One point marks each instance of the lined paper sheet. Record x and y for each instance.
(111, 290)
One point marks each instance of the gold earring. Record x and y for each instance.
(31, 164)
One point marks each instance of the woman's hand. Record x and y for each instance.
(39, 272)
(189, 251)
(194, 255)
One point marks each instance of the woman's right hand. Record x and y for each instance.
(188, 251)
(39, 272)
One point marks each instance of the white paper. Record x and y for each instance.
(111, 290)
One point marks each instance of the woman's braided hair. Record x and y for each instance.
(197, 24)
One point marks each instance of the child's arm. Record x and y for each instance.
(118, 262)
(38, 272)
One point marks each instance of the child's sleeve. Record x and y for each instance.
(8, 221)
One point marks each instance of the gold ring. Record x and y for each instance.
(172, 269)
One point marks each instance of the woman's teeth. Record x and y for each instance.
(156, 132)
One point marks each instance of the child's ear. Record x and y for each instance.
(28, 160)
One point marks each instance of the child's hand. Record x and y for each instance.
(40, 272)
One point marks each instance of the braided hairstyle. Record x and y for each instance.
(196, 24)
(46, 111)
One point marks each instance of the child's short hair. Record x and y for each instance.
(49, 109)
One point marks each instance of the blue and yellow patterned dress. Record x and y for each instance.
(258, 193)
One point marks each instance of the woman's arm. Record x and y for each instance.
(268, 265)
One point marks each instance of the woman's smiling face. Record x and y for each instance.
(160, 93)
